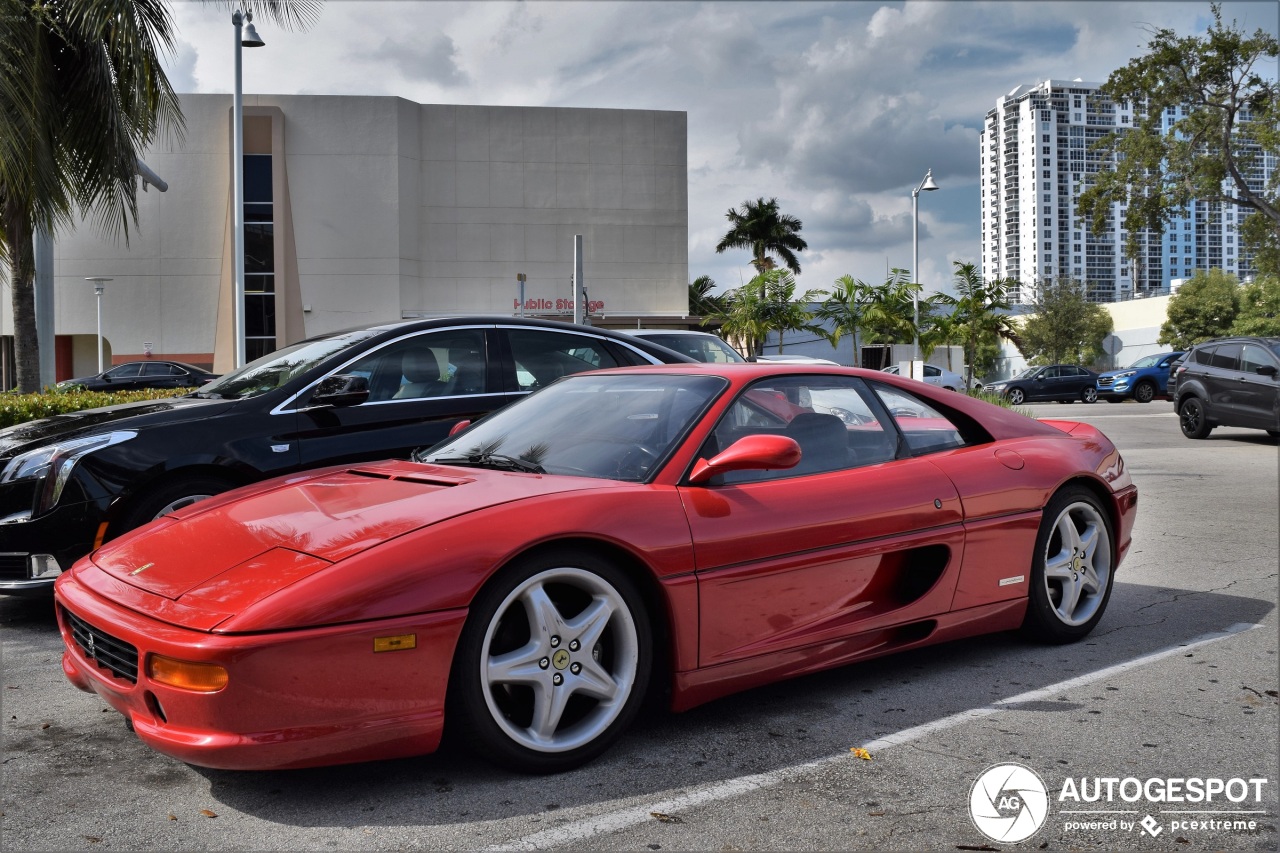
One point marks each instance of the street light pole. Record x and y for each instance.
(927, 185)
(249, 38)
(98, 282)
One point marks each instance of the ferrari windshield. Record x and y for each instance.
(617, 426)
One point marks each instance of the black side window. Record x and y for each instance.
(542, 356)
(1227, 357)
(448, 363)
(1252, 357)
(1204, 355)
(125, 371)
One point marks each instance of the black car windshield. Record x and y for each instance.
(1028, 373)
(275, 369)
(618, 427)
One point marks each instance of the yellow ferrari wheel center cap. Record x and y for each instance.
(560, 659)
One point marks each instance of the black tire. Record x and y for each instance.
(529, 614)
(1193, 419)
(1016, 396)
(1144, 392)
(1072, 569)
(1089, 394)
(153, 503)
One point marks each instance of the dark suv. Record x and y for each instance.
(70, 482)
(1229, 382)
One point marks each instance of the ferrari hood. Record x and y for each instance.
(241, 550)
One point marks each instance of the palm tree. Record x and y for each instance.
(702, 301)
(888, 314)
(82, 92)
(760, 228)
(981, 310)
(843, 311)
(767, 303)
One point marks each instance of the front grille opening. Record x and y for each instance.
(154, 706)
(114, 655)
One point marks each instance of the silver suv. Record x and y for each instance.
(1229, 382)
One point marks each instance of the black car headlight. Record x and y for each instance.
(52, 464)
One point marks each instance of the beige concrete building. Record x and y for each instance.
(361, 210)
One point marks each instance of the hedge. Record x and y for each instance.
(20, 408)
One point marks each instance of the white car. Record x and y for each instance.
(700, 346)
(936, 376)
(794, 359)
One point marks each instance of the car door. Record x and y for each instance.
(860, 535)
(1258, 388)
(1221, 383)
(1044, 385)
(420, 385)
(161, 375)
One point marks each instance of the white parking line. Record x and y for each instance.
(613, 821)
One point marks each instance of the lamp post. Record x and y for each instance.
(98, 282)
(927, 185)
(249, 38)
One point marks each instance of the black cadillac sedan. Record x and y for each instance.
(70, 482)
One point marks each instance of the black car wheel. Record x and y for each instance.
(1144, 392)
(1192, 418)
(170, 497)
(1089, 394)
(553, 662)
(1016, 396)
(1071, 571)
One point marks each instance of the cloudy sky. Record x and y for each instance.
(835, 108)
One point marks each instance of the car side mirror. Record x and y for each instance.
(341, 390)
(753, 453)
(1267, 370)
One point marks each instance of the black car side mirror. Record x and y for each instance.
(341, 390)
(1267, 370)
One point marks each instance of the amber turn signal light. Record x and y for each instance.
(188, 675)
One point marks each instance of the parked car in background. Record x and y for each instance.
(625, 534)
(699, 346)
(1062, 382)
(137, 375)
(1229, 382)
(792, 359)
(935, 376)
(1144, 380)
(70, 482)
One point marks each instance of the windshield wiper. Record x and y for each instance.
(498, 461)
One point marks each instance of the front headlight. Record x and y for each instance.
(54, 463)
(1128, 374)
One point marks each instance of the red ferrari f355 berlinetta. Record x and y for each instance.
(694, 530)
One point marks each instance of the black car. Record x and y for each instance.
(1229, 382)
(1065, 383)
(136, 375)
(70, 482)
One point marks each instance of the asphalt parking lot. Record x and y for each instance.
(1178, 683)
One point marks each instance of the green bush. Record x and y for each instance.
(20, 408)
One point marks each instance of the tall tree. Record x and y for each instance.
(82, 93)
(980, 311)
(1203, 308)
(1066, 326)
(842, 312)
(767, 303)
(888, 315)
(1230, 120)
(761, 228)
(1259, 308)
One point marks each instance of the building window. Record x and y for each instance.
(259, 258)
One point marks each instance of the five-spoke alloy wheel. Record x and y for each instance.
(553, 662)
(1071, 576)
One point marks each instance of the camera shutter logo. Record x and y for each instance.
(1008, 803)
